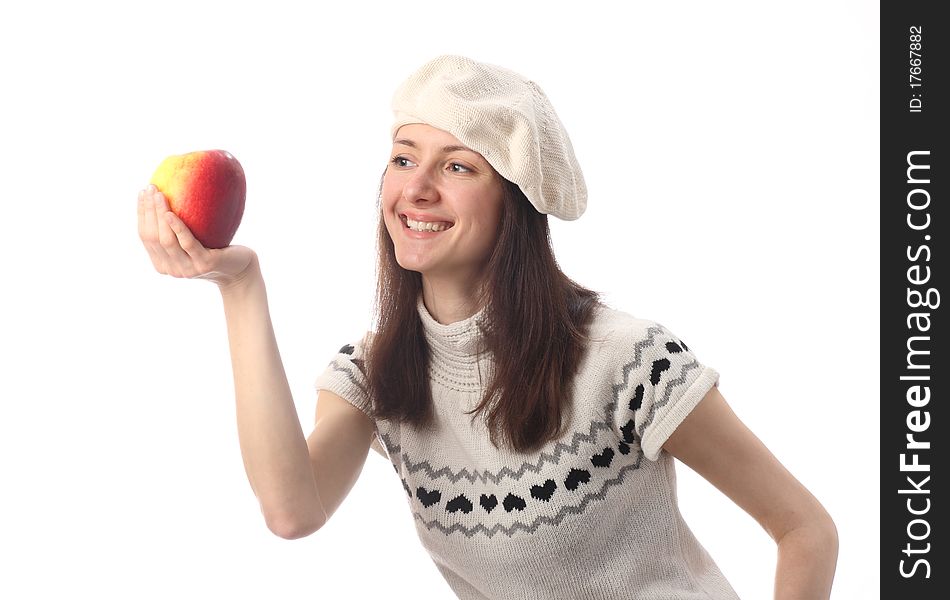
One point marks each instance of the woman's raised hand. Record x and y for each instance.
(175, 251)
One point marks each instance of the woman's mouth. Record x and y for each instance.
(425, 226)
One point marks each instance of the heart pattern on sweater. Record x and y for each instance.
(575, 478)
(488, 502)
(459, 503)
(544, 492)
(628, 432)
(513, 502)
(428, 498)
(658, 367)
(637, 399)
(603, 458)
(518, 497)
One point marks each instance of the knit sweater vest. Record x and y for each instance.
(593, 514)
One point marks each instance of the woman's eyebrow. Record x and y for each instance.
(445, 149)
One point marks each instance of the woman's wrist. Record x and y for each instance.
(246, 279)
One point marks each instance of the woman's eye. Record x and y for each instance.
(463, 168)
(400, 161)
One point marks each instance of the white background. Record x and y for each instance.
(731, 154)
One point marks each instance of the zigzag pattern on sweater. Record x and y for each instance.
(345, 358)
(515, 500)
(517, 526)
(553, 457)
(344, 367)
(485, 476)
(543, 493)
(479, 510)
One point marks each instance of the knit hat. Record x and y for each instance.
(504, 117)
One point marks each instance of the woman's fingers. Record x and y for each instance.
(173, 248)
(141, 211)
(149, 232)
(178, 261)
(195, 250)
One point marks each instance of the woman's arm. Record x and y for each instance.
(298, 482)
(275, 452)
(712, 441)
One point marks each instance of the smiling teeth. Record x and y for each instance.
(426, 226)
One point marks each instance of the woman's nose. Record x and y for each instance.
(421, 186)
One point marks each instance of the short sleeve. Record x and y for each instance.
(345, 376)
(664, 381)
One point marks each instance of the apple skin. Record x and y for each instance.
(206, 189)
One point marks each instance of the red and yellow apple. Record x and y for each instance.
(206, 189)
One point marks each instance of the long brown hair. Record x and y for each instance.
(534, 326)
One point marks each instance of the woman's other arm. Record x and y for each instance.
(712, 441)
(276, 456)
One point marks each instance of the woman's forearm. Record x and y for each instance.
(273, 445)
(807, 557)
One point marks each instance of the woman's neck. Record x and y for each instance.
(449, 302)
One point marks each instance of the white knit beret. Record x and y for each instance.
(504, 117)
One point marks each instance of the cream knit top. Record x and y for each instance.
(592, 515)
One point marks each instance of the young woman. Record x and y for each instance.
(532, 427)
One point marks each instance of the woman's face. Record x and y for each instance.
(436, 183)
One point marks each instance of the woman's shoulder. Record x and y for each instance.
(354, 352)
(359, 345)
(617, 335)
(610, 325)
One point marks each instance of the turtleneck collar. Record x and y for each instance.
(455, 359)
(458, 341)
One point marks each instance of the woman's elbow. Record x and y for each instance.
(824, 527)
(830, 532)
(291, 527)
(819, 534)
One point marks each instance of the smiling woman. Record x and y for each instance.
(533, 427)
(441, 203)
